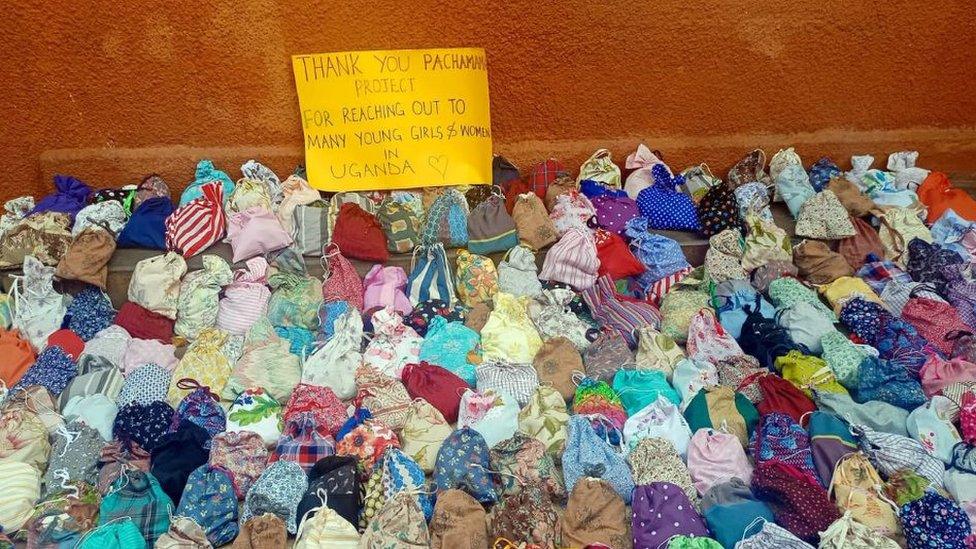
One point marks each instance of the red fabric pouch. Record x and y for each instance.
(359, 235)
(342, 282)
(616, 259)
(438, 386)
(779, 395)
(142, 323)
(70, 343)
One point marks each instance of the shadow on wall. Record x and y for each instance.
(113, 92)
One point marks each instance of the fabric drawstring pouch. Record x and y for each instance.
(204, 363)
(641, 162)
(599, 167)
(514, 379)
(595, 515)
(657, 351)
(209, 501)
(334, 364)
(890, 453)
(780, 439)
(807, 373)
(715, 457)
(723, 259)
(255, 231)
(907, 175)
(613, 212)
(206, 173)
(454, 346)
(245, 299)
(401, 225)
(250, 192)
(606, 355)
(708, 340)
(523, 461)
(818, 264)
(824, 217)
(176, 454)
(517, 273)
(793, 186)
(198, 302)
(242, 455)
(692, 375)
(145, 384)
(662, 511)
(447, 221)
(587, 455)
(399, 522)
(278, 491)
(199, 223)
(477, 278)
(883, 380)
(718, 211)
(934, 321)
(341, 283)
(490, 227)
(936, 520)
(899, 226)
(664, 207)
(327, 411)
(552, 317)
(750, 168)
(734, 301)
(573, 260)
(155, 283)
(201, 407)
(423, 433)
(509, 334)
(764, 242)
(463, 462)
(639, 388)
(385, 396)
(146, 228)
(384, 287)
(359, 235)
(661, 419)
(863, 245)
(656, 460)
(492, 414)
(843, 357)
(37, 307)
(394, 344)
(437, 385)
(881, 273)
(765, 338)
(616, 259)
(928, 263)
(333, 488)
(830, 441)
(786, 292)
(698, 181)
(528, 516)
(798, 502)
(294, 301)
(678, 309)
(929, 425)
(45, 236)
(939, 195)
(822, 172)
(615, 311)
(137, 496)
(87, 257)
(303, 442)
(544, 418)
(753, 198)
(571, 210)
(295, 192)
(598, 402)
(722, 407)
(430, 277)
(90, 312)
(256, 411)
(856, 488)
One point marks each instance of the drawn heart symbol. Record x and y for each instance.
(438, 164)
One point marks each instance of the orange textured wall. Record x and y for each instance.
(108, 90)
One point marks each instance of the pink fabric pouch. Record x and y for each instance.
(246, 299)
(144, 351)
(254, 232)
(384, 286)
(937, 373)
(715, 457)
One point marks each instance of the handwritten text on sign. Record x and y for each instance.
(395, 119)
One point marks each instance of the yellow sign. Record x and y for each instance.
(395, 119)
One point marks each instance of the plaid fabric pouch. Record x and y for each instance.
(303, 442)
